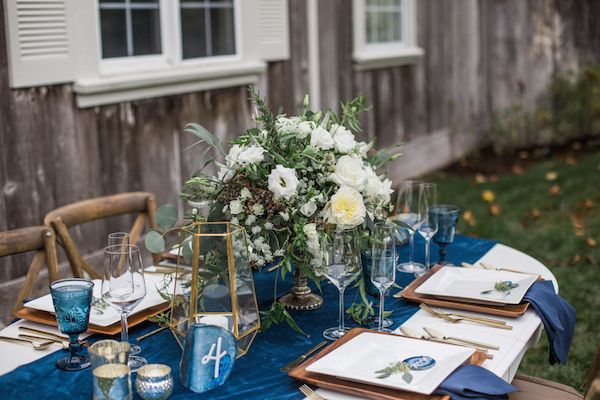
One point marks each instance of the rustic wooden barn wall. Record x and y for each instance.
(478, 53)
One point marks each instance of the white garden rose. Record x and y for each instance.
(236, 207)
(376, 188)
(283, 182)
(343, 139)
(251, 155)
(305, 128)
(346, 209)
(232, 156)
(321, 138)
(349, 172)
(308, 208)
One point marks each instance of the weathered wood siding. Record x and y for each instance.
(477, 53)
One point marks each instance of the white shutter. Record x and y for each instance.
(39, 42)
(273, 29)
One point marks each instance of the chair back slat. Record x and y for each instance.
(22, 240)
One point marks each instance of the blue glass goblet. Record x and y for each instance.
(447, 216)
(72, 299)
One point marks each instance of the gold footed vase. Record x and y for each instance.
(300, 296)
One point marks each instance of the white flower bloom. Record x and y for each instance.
(225, 173)
(346, 209)
(286, 125)
(312, 239)
(305, 128)
(342, 138)
(268, 257)
(236, 207)
(250, 219)
(321, 139)
(260, 262)
(251, 155)
(245, 193)
(256, 230)
(279, 253)
(349, 172)
(258, 209)
(376, 188)
(283, 182)
(363, 148)
(232, 156)
(268, 226)
(234, 220)
(308, 208)
(284, 215)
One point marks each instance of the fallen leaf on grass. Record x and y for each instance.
(578, 225)
(517, 169)
(536, 213)
(570, 160)
(591, 241)
(575, 259)
(488, 196)
(551, 176)
(554, 190)
(495, 210)
(480, 178)
(588, 203)
(469, 218)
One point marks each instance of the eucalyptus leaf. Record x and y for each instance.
(166, 216)
(155, 242)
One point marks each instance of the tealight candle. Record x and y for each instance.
(154, 382)
(217, 320)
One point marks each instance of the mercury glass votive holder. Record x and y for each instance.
(109, 352)
(112, 382)
(154, 382)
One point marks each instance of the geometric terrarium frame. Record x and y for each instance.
(214, 283)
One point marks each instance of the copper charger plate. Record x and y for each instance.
(46, 318)
(361, 389)
(507, 310)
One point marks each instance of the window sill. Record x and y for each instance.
(373, 59)
(172, 81)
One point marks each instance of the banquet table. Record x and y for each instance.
(25, 373)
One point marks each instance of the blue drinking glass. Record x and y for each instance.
(72, 299)
(447, 216)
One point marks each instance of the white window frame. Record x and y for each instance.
(385, 54)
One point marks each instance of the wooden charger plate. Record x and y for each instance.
(44, 317)
(507, 310)
(361, 389)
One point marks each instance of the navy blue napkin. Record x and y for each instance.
(558, 317)
(472, 382)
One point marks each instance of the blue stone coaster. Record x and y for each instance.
(208, 357)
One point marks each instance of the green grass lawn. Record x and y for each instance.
(550, 210)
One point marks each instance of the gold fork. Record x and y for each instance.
(455, 318)
(311, 394)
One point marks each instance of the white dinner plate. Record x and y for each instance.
(469, 283)
(359, 359)
(109, 315)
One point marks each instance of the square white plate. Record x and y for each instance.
(109, 315)
(359, 359)
(468, 283)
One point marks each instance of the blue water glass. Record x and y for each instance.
(154, 382)
(72, 299)
(447, 217)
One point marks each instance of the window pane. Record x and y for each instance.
(383, 21)
(146, 32)
(397, 26)
(114, 33)
(193, 33)
(223, 33)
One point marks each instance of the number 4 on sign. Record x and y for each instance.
(217, 356)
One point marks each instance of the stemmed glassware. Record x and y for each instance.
(407, 211)
(383, 270)
(72, 303)
(428, 224)
(447, 216)
(343, 267)
(123, 287)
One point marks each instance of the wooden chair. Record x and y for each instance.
(40, 239)
(537, 388)
(63, 218)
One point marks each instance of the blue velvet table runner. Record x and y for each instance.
(256, 375)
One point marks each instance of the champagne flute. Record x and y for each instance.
(428, 225)
(383, 270)
(407, 211)
(343, 267)
(123, 287)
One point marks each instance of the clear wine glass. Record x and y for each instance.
(118, 238)
(407, 211)
(343, 267)
(124, 287)
(383, 270)
(428, 225)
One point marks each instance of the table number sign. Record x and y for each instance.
(208, 357)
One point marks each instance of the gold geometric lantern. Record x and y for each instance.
(214, 284)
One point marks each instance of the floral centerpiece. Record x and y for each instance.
(291, 181)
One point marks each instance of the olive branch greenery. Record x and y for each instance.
(396, 368)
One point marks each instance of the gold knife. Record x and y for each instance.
(303, 357)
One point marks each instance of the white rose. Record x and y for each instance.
(304, 129)
(245, 193)
(283, 182)
(232, 157)
(236, 207)
(225, 173)
(346, 209)
(308, 208)
(363, 148)
(343, 139)
(381, 190)
(258, 209)
(349, 172)
(251, 155)
(321, 139)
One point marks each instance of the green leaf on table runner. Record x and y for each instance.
(276, 315)
(155, 242)
(166, 216)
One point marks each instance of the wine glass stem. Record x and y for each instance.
(381, 308)
(341, 326)
(427, 244)
(73, 346)
(442, 253)
(124, 328)
(411, 249)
